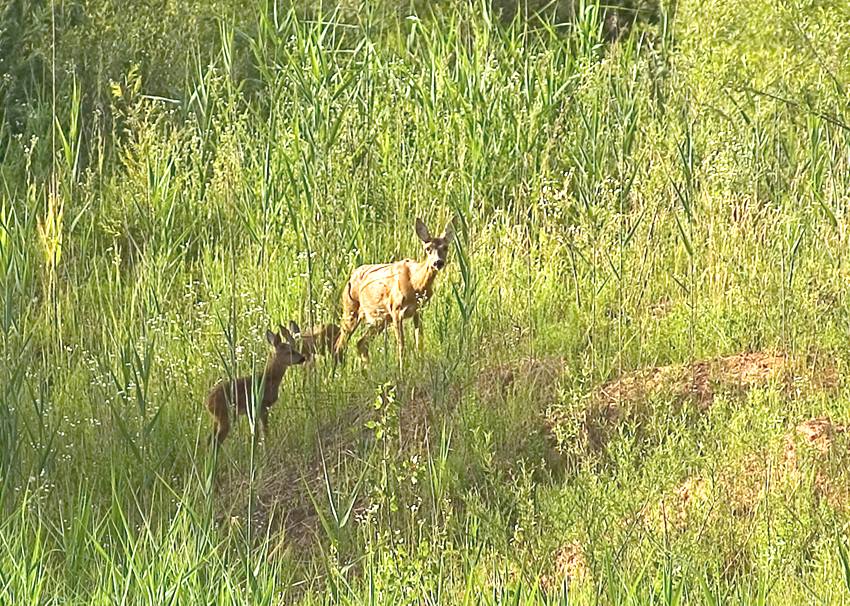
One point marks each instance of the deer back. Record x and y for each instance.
(380, 289)
(238, 393)
(319, 339)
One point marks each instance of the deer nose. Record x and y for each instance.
(439, 263)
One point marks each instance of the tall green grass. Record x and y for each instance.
(672, 196)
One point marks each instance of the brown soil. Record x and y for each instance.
(416, 418)
(626, 398)
(698, 381)
(819, 433)
(282, 489)
(570, 563)
(824, 445)
(283, 504)
(736, 488)
(690, 495)
(538, 374)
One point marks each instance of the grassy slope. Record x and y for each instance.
(673, 197)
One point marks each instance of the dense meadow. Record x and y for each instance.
(632, 385)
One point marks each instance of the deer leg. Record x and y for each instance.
(417, 331)
(348, 322)
(349, 325)
(217, 405)
(363, 343)
(264, 422)
(221, 428)
(398, 323)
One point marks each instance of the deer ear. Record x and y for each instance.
(293, 328)
(422, 231)
(449, 232)
(272, 338)
(285, 334)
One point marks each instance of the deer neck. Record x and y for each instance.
(422, 277)
(273, 375)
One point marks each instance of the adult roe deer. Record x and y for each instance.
(239, 393)
(319, 339)
(391, 292)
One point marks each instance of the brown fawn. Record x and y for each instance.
(239, 393)
(319, 339)
(389, 293)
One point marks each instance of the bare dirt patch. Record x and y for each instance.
(816, 436)
(687, 499)
(626, 398)
(285, 480)
(536, 381)
(818, 448)
(283, 506)
(820, 432)
(811, 458)
(537, 374)
(568, 563)
(698, 381)
(417, 415)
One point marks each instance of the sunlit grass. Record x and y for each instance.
(620, 205)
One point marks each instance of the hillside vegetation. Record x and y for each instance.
(631, 389)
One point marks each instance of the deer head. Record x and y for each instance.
(284, 350)
(436, 248)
